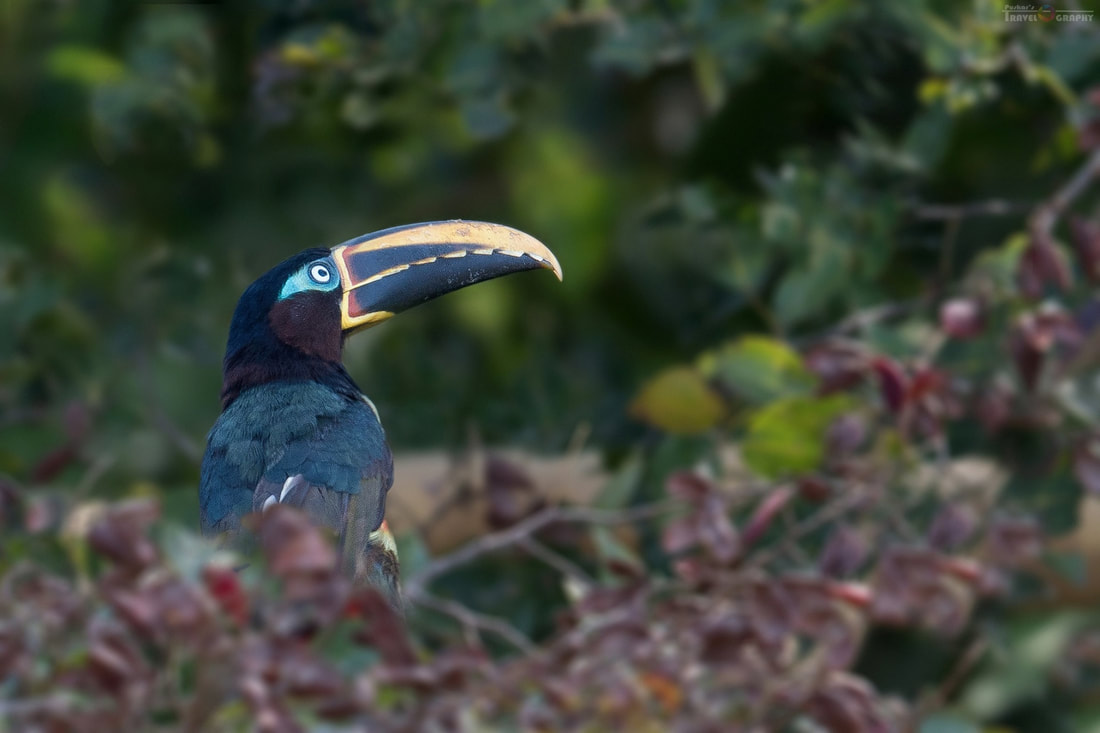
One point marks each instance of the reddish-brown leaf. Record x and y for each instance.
(892, 381)
(1085, 234)
(844, 553)
(838, 365)
(224, 586)
(845, 435)
(952, 526)
(765, 513)
(293, 545)
(120, 535)
(962, 318)
(689, 486)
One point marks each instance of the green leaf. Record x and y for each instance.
(679, 400)
(87, 66)
(622, 486)
(610, 549)
(928, 136)
(806, 291)
(787, 436)
(759, 369)
(1019, 671)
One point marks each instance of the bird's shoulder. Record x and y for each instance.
(283, 426)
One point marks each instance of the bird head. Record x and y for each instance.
(291, 323)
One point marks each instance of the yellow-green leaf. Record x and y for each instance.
(787, 436)
(758, 369)
(83, 65)
(678, 400)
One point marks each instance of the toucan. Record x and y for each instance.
(294, 428)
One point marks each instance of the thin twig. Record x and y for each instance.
(955, 678)
(529, 526)
(832, 510)
(559, 562)
(957, 212)
(1047, 214)
(473, 620)
(99, 467)
(177, 436)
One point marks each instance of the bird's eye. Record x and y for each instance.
(320, 274)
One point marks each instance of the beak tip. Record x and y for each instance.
(554, 267)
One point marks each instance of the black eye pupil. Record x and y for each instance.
(320, 273)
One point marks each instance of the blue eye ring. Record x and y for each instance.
(318, 276)
(320, 273)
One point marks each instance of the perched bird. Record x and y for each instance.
(294, 428)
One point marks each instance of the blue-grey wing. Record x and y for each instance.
(328, 458)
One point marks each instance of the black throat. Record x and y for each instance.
(256, 365)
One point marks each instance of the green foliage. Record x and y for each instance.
(788, 436)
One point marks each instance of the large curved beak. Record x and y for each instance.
(392, 270)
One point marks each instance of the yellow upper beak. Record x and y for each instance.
(392, 270)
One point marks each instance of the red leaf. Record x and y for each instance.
(689, 486)
(839, 366)
(224, 585)
(510, 491)
(293, 545)
(1041, 265)
(1085, 234)
(994, 406)
(814, 488)
(962, 318)
(1027, 349)
(845, 435)
(1013, 541)
(53, 463)
(893, 384)
(121, 536)
(679, 535)
(844, 553)
(952, 526)
(765, 513)
(383, 627)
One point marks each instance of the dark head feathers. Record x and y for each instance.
(299, 339)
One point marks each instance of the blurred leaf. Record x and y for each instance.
(788, 436)
(678, 400)
(614, 555)
(623, 485)
(806, 292)
(1018, 673)
(85, 65)
(758, 369)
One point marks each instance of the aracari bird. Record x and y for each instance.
(294, 428)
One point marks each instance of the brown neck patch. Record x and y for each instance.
(310, 323)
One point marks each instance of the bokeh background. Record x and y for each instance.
(814, 249)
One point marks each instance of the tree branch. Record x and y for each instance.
(1048, 213)
(472, 620)
(525, 529)
(559, 562)
(955, 212)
